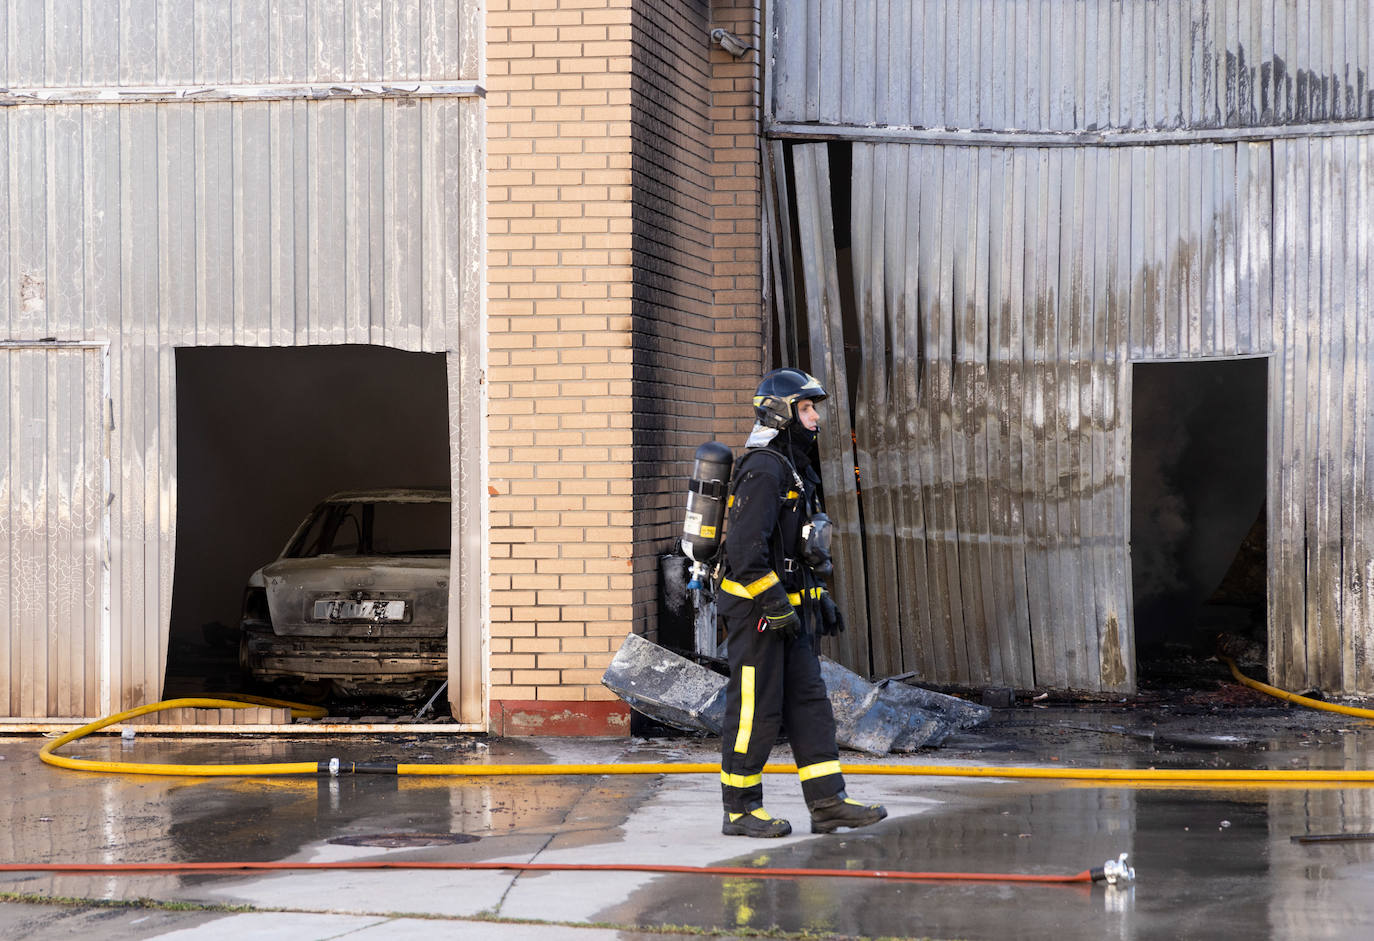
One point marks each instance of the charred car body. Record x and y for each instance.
(358, 599)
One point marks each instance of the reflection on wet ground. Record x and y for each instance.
(55, 815)
(1210, 863)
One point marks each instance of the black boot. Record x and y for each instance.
(757, 823)
(830, 813)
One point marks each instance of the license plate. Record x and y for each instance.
(345, 609)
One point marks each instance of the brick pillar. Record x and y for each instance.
(559, 242)
(624, 321)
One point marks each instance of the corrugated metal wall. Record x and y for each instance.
(1001, 294)
(69, 43)
(1004, 282)
(149, 219)
(1321, 523)
(1071, 65)
(54, 549)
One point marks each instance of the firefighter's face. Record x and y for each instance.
(807, 414)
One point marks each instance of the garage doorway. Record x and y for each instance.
(263, 435)
(1198, 514)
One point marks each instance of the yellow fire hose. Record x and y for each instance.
(1244, 680)
(1207, 777)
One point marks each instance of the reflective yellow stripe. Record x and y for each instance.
(751, 591)
(763, 584)
(818, 770)
(746, 710)
(740, 780)
(734, 588)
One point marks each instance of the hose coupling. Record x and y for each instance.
(334, 773)
(699, 572)
(1115, 872)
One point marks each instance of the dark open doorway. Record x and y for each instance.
(1198, 477)
(263, 435)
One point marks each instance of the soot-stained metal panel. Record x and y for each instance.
(999, 296)
(1068, 65)
(1042, 193)
(1321, 569)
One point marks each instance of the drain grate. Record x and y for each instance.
(398, 840)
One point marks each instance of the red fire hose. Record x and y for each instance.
(1113, 871)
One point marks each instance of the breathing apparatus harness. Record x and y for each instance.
(808, 560)
(712, 491)
(710, 494)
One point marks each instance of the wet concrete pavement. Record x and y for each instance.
(1210, 862)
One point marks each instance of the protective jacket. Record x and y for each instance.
(775, 679)
(772, 498)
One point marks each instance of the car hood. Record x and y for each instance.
(299, 593)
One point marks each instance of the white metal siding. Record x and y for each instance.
(53, 547)
(277, 220)
(266, 223)
(246, 42)
(1321, 544)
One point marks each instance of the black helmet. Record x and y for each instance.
(775, 402)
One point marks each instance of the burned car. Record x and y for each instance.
(357, 601)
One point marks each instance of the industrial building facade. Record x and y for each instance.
(258, 252)
(997, 218)
(208, 175)
(529, 249)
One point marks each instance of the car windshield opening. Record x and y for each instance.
(409, 528)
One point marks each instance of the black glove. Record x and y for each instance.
(832, 621)
(781, 617)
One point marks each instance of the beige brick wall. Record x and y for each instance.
(586, 455)
(560, 365)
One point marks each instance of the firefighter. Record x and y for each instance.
(773, 600)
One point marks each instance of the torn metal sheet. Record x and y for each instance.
(891, 716)
(865, 722)
(666, 687)
(871, 717)
(960, 713)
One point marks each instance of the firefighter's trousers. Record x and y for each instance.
(775, 681)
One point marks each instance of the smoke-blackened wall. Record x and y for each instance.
(697, 291)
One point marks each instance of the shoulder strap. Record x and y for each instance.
(776, 536)
(776, 454)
